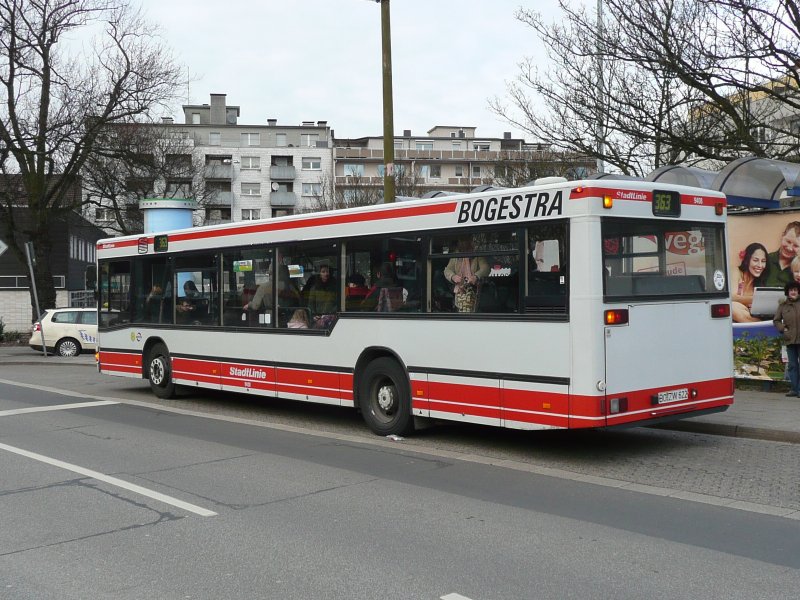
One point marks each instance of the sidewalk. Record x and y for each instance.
(758, 415)
(754, 414)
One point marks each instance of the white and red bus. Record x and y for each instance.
(590, 304)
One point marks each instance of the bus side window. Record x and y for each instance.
(546, 290)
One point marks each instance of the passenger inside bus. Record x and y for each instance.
(385, 295)
(464, 273)
(299, 319)
(322, 298)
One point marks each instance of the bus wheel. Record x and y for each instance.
(160, 372)
(385, 398)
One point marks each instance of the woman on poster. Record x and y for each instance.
(753, 272)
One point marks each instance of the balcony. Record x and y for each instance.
(219, 172)
(282, 172)
(219, 198)
(282, 199)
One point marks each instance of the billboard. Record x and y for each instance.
(763, 253)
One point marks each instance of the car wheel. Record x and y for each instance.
(160, 372)
(68, 347)
(385, 398)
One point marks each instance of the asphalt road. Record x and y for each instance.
(115, 500)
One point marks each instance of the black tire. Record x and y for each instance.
(385, 398)
(68, 347)
(159, 372)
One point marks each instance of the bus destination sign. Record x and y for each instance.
(666, 203)
(160, 243)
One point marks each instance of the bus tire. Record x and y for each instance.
(159, 372)
(385, 398)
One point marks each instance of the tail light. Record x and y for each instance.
(37, 327)
(720, 311)
(616, 316)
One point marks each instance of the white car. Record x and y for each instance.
(67, 331)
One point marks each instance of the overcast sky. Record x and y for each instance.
(301, 60)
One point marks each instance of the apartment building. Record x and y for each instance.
(235, 171)
(450, 158)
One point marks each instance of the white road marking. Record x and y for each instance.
(764, 509)
(34, 409)
(131, 487)
(453, 596)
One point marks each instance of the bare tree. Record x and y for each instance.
(518, 169)
(663, 82)
(134, 161)
(56, 100)
(359, 190)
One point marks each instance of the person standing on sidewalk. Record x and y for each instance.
(787, 321)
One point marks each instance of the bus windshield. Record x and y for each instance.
(656, 258)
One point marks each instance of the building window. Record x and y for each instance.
(103, 214)
(280, 140)
(312, 163)
(398, 144)
(251, 214)
(251, 189)
(436, 172)
(309, 139)
(759, 134)
(218, 214)
(354, 170)
(214, 138)
(178, 189)
(456, 145)
(424, 145)
(459, 170)
(424, 171)
(251, 139)
(251, 162)
(480, 146)
(312, 189)
(282, 212)
(476, 171)
(195, 118)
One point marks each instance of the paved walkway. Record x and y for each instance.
(754, 414)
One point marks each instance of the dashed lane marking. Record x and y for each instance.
(131, 487)
(35, 409)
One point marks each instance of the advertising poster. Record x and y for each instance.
(762, 258)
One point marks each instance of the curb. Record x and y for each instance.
(740, 431)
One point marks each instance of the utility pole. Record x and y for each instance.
(601, 134)
(388, 108)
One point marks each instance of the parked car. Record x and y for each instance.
(67, 331)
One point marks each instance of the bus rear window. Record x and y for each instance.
(662, 258)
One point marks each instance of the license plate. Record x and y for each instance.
(673, 396)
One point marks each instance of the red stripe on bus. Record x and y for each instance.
(120, 358)
(245, 372)
(184, 376)
(359, 217)
(642, 196)
(461, 393)
(199, 367)
(248, 384)
(539, 419)
(308, 391)
(665, 410)
(107, 368)
(457, 410)
(548, 402)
